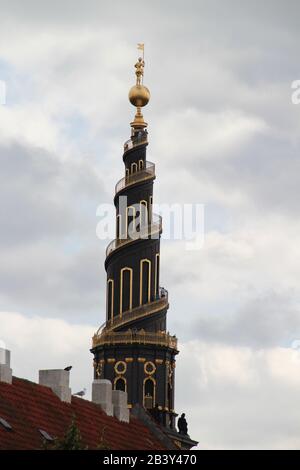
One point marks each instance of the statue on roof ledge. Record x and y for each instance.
(182, 425)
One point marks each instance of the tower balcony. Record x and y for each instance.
(140, 312)
(151, 230)
(160, 338)
(140, 175)
(140, 138)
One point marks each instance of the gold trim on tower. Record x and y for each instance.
(120, 367)
(110, 315)
(129, 337)
(159, 361)
(157, 258)
(149, 368)
(121, 288)
(141, 279)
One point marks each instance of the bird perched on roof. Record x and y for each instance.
(81, 393)
(68, 368)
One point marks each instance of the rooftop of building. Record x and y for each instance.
(29, 408)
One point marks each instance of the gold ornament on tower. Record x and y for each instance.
(139, 95)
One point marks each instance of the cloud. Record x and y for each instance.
(239, 398)
(224, 132)
(48, 212)
(241, 288)
(266, 321)
(47, 343)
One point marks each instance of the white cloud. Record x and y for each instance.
(48, 250)
(256, 255)
(47, 343)
(206, 135)
(28, 125)
(239, 398)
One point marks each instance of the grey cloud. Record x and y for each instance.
(265, 169)
(51, 261)
(39, 195)
(227, 416)
(271, 320)
(30, 206)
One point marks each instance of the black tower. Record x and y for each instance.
(133, 348)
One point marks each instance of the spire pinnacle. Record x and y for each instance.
(139, 94)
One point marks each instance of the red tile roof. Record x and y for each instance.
(28, 407)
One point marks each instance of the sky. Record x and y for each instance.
(223, 132)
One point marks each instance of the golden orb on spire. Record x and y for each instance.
(139, 94)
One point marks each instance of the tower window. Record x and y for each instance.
(125, 289)
(145, 281)
(149, 393)
(134, 167)
(131, 228)
(120, 384)
(143, 214)
(141, 164)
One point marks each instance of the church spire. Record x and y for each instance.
(139, 94)
(133, 348)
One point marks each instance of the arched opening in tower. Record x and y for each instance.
(149, 389)
(120, 384)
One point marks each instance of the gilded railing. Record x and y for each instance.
(151, 230)
(140, 175)
(132, 337)
(147, 309)
(139, 139)
(140, 311)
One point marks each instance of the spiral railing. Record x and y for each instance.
(151, 230)
(132, 337)
(139, 139)
(140, 175)
(140, 312)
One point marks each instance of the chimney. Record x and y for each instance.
(58, 381)
(121, 411)
(5, 370)
(102, 395)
